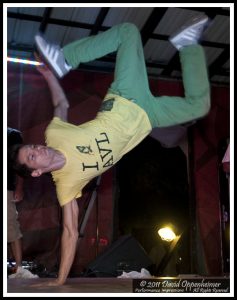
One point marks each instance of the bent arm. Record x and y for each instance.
(59, 98)
(69, 239)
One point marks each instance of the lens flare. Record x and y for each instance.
(24, 61)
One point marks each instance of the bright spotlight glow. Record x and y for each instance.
(166, 234)
(24, 61)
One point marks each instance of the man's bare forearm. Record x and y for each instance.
(68, 242)
(68, 250)
(69, 239)
(58, 96)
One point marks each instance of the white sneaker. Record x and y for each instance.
(190, 33)
(53, 56)
(23, 273)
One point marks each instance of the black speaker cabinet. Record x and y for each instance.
(125, 254)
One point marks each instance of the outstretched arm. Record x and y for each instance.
(69, 239)
(59, 99)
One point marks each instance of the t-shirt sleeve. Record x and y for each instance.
(66, 194)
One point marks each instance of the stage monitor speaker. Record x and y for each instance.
(125, 254)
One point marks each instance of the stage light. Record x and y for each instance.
(24, 61)
(170, 236)
(167, 234)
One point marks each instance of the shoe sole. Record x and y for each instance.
(185, 27)
(56, 70)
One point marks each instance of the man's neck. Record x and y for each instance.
(58, 161)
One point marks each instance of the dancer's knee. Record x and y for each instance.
(131, 28)
(204, 108)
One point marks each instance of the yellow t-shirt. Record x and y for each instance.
(93, 147)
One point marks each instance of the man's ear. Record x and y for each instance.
(36, 173)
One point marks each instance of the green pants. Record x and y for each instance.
(131, 81)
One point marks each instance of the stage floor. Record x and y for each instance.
(72, 285)
(95, 286)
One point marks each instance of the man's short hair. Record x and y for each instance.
(21, 169)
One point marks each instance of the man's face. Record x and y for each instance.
(36, 156)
